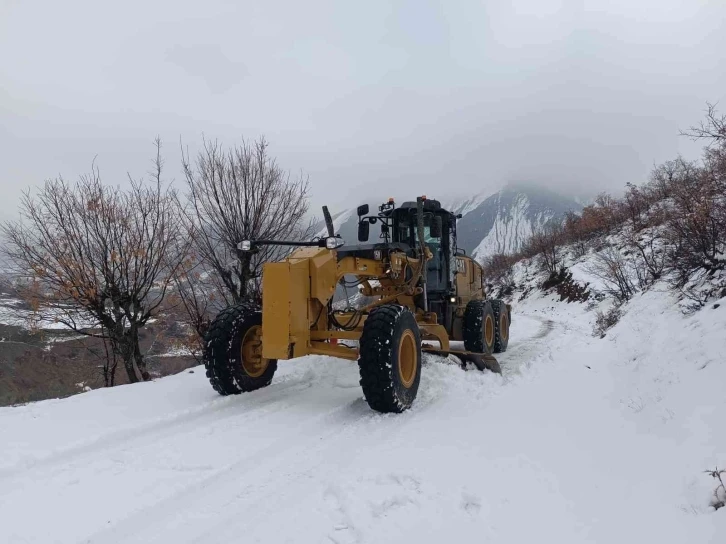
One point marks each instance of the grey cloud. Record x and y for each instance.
(370, 99)
(209, 63)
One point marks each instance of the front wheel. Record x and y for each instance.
(233, 351)
(479, 329)
(390, 358)
(501, 321)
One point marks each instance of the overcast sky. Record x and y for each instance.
(367, 98)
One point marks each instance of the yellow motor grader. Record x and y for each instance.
(418, 291)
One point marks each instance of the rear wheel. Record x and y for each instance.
(501, 320)
(479, 327)
(233, 351)
(390, 358)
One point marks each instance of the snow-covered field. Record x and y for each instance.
(13, 313)
(581, 440)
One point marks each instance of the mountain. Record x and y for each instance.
(490, 223)
(502, 222)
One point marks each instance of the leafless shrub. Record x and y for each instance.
(636, 203)
(670, 175)
(568, 289)
(594, 222)
(696, 222)
(198, 299)
(649, 259)
(712, 128)
(702, 287)
(696, 228)
(604, 214)
(498, 271)
(614, 270)
(547, 244)
(605, 321)
(575, 234)
(99, 259)
(718, 500)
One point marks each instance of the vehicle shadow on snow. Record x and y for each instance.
(330, 387)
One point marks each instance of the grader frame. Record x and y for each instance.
(297, 317)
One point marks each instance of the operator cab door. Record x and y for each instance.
(437, 272)
(437, 276)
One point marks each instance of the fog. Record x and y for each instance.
(368, 99)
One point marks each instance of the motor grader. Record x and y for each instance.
(419, 293)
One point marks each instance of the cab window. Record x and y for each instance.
(428, 238)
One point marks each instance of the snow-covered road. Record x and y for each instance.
(539, 453)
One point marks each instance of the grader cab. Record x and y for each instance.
(417, 292)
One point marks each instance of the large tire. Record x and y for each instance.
(502, 320)
(232, 353)
(479, 327)
(390, 358)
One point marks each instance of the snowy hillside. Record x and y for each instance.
(581, 439)
(502, 222)
(513, 225)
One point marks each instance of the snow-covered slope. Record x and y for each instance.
(502, 222)
(512, 226)
(581, 440)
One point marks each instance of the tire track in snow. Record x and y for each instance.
(217, 410)
(221, 409)
(521, 355)
(251, 478)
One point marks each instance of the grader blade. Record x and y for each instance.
(480, 360)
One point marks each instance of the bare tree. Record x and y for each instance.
(499, 273)
(233, 195)
(547, 243)
(99, 260)
(636, 204)
(712, 129)
(615, 271)
(198, 296)
(667, 177)
(575, 233)
(696, 226)
(650, 256)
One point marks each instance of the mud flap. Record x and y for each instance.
(479, 360)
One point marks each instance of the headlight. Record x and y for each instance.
(244, 245)
(332, 242)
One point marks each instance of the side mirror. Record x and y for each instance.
(363, 210)
(364, 228)
(436, 227)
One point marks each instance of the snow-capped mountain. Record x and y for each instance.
(502, 222)
(490, 223)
